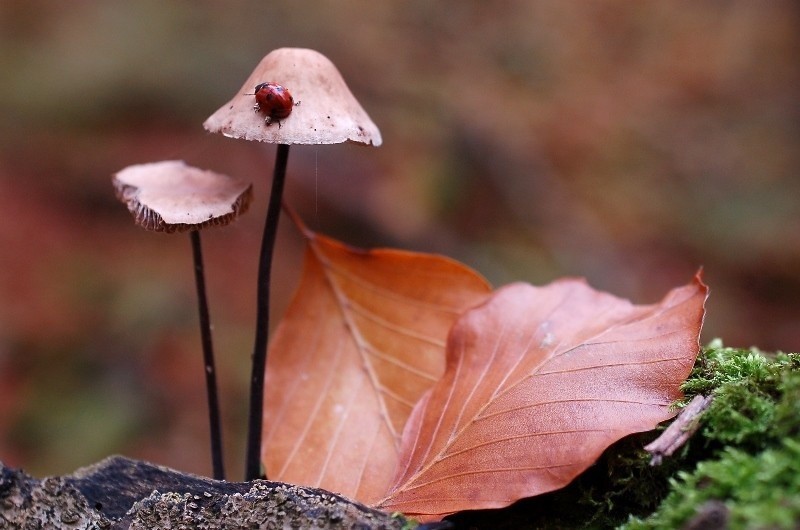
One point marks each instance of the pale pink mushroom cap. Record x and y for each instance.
(173, 197)
(328, 112)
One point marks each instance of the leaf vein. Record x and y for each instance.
(369, 348)
(577, 400)
(518, 437)
(380, 291)
(471, 472)
(374, 317)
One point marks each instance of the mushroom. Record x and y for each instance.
(326, 112)
(172, 197)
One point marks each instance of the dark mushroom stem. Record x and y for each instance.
(208, 359)
(253, 457)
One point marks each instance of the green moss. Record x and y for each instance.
(749, 389)
(759, 491)
(745, 454)
(408, 524)
(787, 410)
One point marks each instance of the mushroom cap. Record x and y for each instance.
(327, 112)
(171, 196)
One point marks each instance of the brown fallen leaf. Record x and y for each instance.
(539, 382)
(363, 339)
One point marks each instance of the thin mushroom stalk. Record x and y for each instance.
(173, 197)
(215, 424)
(329, 114)
(259, 362)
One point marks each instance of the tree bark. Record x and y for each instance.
(123, 494)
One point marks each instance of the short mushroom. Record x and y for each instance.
(171, 197)
(326, 112)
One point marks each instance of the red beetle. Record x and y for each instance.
(274, 101)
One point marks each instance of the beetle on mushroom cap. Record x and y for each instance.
(273, 100)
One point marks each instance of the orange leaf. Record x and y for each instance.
(361, 342)
(539, 382)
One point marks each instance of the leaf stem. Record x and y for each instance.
(253, 457)
(208, 359)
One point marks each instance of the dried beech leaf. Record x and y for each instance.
(362, 340)
(539, 382)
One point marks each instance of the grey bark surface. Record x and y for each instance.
(123, 494)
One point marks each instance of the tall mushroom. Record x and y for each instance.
(326, 113)
(174, 197)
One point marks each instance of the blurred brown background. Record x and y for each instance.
(627, 142)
